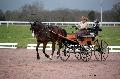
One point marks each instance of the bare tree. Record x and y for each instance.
(2, 16)
(36, 11)
(91, 15)
(116, 12)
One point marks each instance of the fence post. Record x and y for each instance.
(7, 24)
(114, 24)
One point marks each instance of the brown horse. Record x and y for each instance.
(45, 34)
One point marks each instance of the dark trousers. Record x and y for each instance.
(81, 33)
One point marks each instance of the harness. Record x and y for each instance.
(44, 32)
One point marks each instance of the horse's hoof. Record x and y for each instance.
(38, 57)
(47, 56)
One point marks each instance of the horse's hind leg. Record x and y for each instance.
(38, 43)
(58, 52)
(53, 49)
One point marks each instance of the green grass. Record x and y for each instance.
(111, 35)
(22, 34)
(18, 34)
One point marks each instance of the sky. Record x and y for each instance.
(56, 4)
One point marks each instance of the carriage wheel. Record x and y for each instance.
(78, 55)
(101, 50)
(65, 54)
(86, 53)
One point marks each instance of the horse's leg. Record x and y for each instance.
(44, 46)
(58, 52)
(38, 43)
(53, 49)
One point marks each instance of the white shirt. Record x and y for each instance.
(82, 25)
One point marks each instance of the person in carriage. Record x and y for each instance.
(95, 29)
(82, 26)
(84, 30)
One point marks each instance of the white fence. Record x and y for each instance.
(48, 46)
(58, 23)
(8, 45)
(114, 48)
(33, 46)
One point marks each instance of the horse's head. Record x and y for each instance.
(33, 27)
(36, 27)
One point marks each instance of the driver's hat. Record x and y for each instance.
(96, 21)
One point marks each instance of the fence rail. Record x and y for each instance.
(59, 23)
(8, 45)
(33, 46)
(114, 48)
(49, 46)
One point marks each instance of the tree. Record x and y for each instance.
(107, 16)
(28, 10)
(8, 15)
(2, 16)
(116, 12)
(91, 15)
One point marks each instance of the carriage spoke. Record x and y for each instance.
(86, 54)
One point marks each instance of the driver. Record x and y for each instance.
(82, 26)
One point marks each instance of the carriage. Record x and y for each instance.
(84, 47)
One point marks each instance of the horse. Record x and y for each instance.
(45, 34)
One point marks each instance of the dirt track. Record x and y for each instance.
(22, 64)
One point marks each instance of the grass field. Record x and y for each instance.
(17, 34)
(22, 35)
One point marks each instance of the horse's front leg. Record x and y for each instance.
(44, 46)
(38, 43)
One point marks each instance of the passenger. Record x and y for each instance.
(96, 27)
(82, 26)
